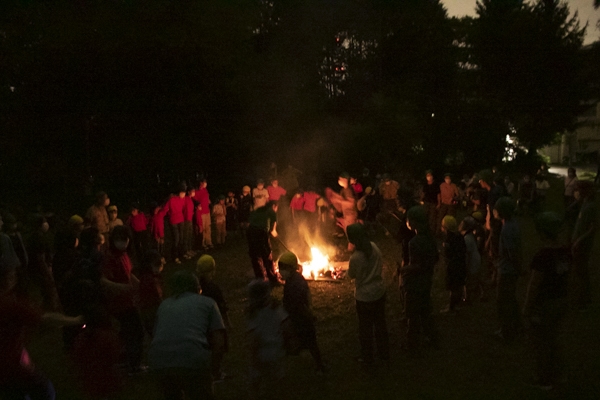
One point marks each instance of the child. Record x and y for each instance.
(268, 325)
(113, 219)
(275, 191)
(219, 213)
(260, 195)
(245, 203)
(150, 290)
(138, 222)
(205, 270)
(203, 197)
(473, 287)
(297, 205)
(455, 252)
(297, 303)
(157, 228)
(188, 230)
(310, 206)
(231, 203)
(174, 208)
(198, 227)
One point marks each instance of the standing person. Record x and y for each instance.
(455, 253)
(357, 188)
(546, 302)
(310, 206)
(117, 268)
(263, 225)
(138, 223)
(570, 186)
(448, 198)
(297, 205)
(203, 198)
(344, 202)
(417, 279)
(219, 213)
(267, 330)
(526, 194)
(246, 202)
(388, 189)
(151, 288)
(365, 267)
(297, 303)
(188, 228)
(509, 185)
(113, 217)
(232, 205)
(583, 242)
(40, 263)
(174, 208)
(189, 334)
(260, 195)
(9, 243)
(541, 190)
(97, 215)
(431, 199)
(509, 266)
(474, 288)
(157, 228)
(275, 191)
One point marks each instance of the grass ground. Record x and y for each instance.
(469, 365)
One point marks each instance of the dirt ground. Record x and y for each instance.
(471, 364)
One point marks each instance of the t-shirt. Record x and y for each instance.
(296, 295)
(310, 201)
(157, 225)
(212, 290)
(570, 185)
(448, 192)
(275, 192)
(203, 198)
(389, 191)
(297, 203)
(174, 208)
(423, 255)
(263, 218)
(181, 335)
(260, 196)
(188, 209)
(366, 272)
(220, 213)
(472, 253)
(553, 263)
(138, 222)
(265, 325)
(98, 217)
(431, 192)
(117, 268)
(509, 256)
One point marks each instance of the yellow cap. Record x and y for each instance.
(288, 258)
(205, 265)
(449, 222)
(111, 208)
(75, 220)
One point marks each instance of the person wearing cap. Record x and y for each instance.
(583, 241)
(246, 203)
(174, 209)
(203, 198)
(189, 334)
(546, 302)
(417, 278)
(474, 287)
(113, 219)
(431, 199)
(219, 213)
(365, 268)
(260, 195)
(205, 271)
(297, 303)
(263, 225)
(448, 198)
(97, 214)
(509, 267)
(455, 253)
(75, 224)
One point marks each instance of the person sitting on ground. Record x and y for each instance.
(189, 334)
(455, 253)
(297, 303)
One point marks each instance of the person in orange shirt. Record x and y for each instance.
(448, 199)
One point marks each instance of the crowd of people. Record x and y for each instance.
(99, 268)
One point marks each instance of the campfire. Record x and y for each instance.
(320, 267)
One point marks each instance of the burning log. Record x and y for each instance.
(320, 268)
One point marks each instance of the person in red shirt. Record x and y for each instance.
(138, 223)
(356, 187)
(203, 198)
(151, 289)
(188, 229)
(157, 228)
(297, 207)
(275, 191)
(117, 268)
(310, 206)
(198, 224)
(174, 209)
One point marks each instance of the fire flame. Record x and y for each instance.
(318, 264)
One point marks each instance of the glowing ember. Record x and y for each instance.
(317, 266)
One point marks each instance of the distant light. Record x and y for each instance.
(432, 115)
(12, 89)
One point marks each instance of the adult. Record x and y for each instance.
(189, 333)
(417, 278)
(203, 198)
(98, 216)
(509, 267)
(431, 199)
(570, 186)
(448, 198)
(365, 267)
(174, 208)
(263, 225)
(546, 302)
(583, 242)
